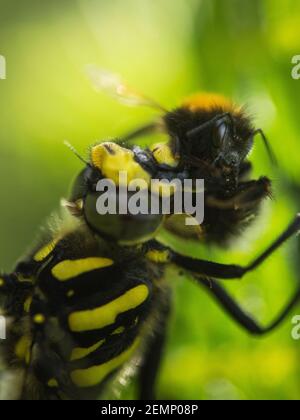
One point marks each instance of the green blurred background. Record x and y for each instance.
(167, 49)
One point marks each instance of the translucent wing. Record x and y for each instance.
(113, 85)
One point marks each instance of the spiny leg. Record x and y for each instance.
(152, 358)
(248, 195)
(238, 314)
(227, 271)
(226, 117)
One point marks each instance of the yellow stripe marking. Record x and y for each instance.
(105, 315)
(45, 251)
(52, 383)
(39, 318)
(80, 353)
(163, 154)
(158, 256)
(94, 375)
(112, 158)
(21, 279)
(22, 349)
(27, 304)
(68, 269)
(119, 330)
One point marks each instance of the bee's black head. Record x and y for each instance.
(212, 138)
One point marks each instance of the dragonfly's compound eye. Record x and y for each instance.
(123, 228)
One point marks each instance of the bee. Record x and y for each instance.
(89, 305)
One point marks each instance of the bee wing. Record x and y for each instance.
(113, 85)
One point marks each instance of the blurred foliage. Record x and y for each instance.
(167, 49)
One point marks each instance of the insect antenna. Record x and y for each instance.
(72, 148)
(267, 145)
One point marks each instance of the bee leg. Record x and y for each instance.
(151, 362)
(245, 170)
(239, 315)
(226, 117)
(247, 197)
(227, 271)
